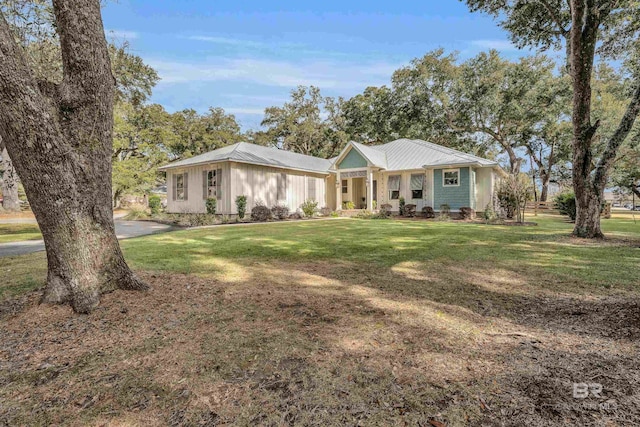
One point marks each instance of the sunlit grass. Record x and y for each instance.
(19, 232)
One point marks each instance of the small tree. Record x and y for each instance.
(401, 206)
(241, 206)
(566, 204)
(513, 193)
(154, 204)
(212, 204)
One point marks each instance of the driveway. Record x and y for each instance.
(124, 230)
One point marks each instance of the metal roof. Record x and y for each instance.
(245, 152)
(401, 154)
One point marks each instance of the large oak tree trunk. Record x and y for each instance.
(10, 200)
(60, 140)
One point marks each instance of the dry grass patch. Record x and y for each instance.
(318, 343)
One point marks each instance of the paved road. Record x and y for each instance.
(124, 230)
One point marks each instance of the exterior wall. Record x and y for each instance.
(455, 197)
(195, 202)
(260, 183)
(484, 187)
(353, 159)
(405, 189)
(330, 190)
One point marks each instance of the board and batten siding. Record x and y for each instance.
(485, 181)
(195, 202)
(260, 184)
(405, 189)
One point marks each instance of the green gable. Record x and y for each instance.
(353, 159)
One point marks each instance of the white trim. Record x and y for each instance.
(444, 171)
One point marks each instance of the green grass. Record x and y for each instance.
(19, 232)
(547, 249)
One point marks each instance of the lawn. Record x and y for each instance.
(19, 232)
(358, 322)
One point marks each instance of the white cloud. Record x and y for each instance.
(324, 74)
(242, 110)
(122, 34)
(228, 41)
(500, 45)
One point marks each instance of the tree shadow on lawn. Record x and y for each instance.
(328, 343)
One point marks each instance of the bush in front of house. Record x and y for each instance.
(409, 210)
(385, 210)
(489, 213)
(261, 213)
(309, 208)
(212, 204)
(241, 206)
(428, 212)
(445, 212)
(326, 211)
(280, 212)
(155, 204)
(512, 193)
(467, 213)
(566, 204)
(401, 206)
(348, 205)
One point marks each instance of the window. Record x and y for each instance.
(181, 186)
(211, 184)
(345, 186)
(311, 188)
(417, 182)
(394, 187)
(282, 186)
(451, 178)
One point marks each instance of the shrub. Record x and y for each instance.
(280, 211)
(566, 204)
(364, 215)
(512, 193)
(409, 210)
(260, 213)
(489, 213)
(241, 206)
(385, 210)
(154, 204)
(310, 207)
(428, 212)
(325, 211)
(467, 213)
(211, 205)
(445, 212)
(295, 215)
(402, 206)
(136, 213)
(374, 203)
(348, 205)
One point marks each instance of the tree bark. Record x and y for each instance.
(60, 140)
(9, 188)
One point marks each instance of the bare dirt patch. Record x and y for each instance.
(322, 343)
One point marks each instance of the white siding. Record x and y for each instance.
(484, 187)
(260, 183)
(405, 189)
(195, 202)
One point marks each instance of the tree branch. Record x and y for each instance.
(555, 17)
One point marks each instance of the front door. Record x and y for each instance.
(359, 193)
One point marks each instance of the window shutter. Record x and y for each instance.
(219, 184)
(311, 188)
(174, 186)
(205, 184)
(186, 186)
(282, 186)
(416, 182)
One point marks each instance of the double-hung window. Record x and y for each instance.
(394, 187)
(417, 182)
(211, 180)
(345, 186)
(181, 186)
(451, 178)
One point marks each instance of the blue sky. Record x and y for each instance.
(247, 55)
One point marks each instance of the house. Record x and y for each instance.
(423, 173)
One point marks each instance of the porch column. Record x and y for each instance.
(369, 189)
(338, 191)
